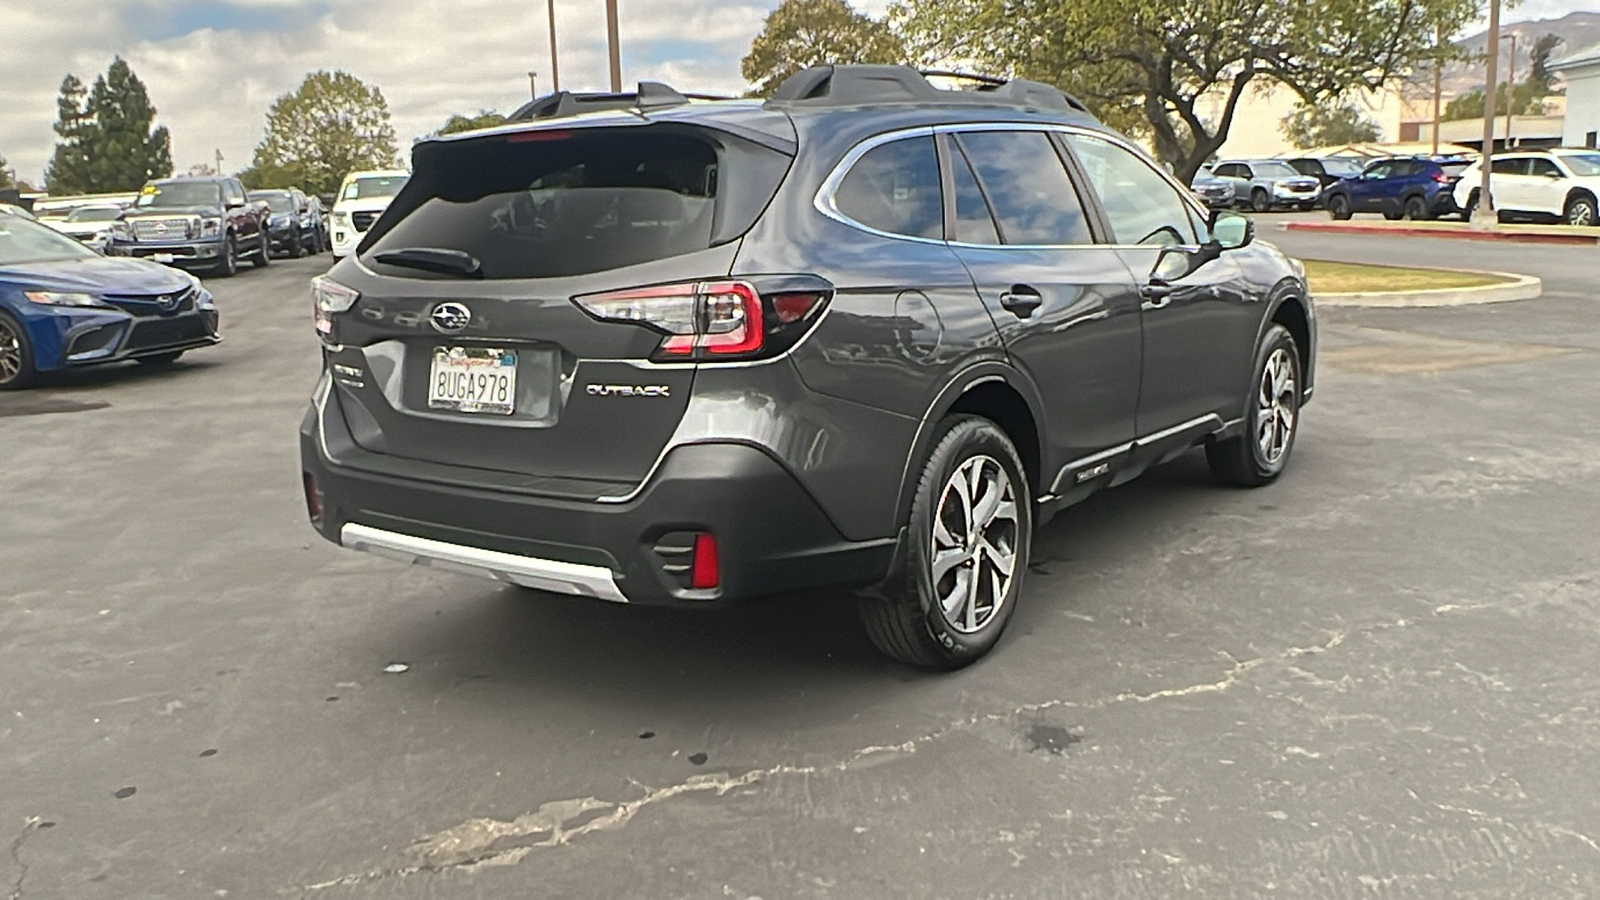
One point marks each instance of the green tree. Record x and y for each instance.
(801, 33)
(1540, 56)
(1526, 100)
(332, 125)
(5, 175)
(68, 171)
(458, 123)
(1167, 62)
(1327, 124)
(107, 142)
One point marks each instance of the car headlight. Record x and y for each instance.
(62, 298)
(211, 226)
(329, 297)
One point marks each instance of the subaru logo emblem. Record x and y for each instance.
(450, 318)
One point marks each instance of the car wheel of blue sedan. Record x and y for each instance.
(16, 357)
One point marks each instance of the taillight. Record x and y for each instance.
(705, 571)
(1442, 178)
(717, 319)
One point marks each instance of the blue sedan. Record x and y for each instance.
(63, 306)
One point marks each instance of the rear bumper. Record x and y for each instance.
(771, 535)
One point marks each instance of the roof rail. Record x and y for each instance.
(855, 85)
(650, 95)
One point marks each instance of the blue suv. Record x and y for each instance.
(1408, 188)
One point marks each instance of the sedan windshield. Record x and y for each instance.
(1583, 164)
(181, 193)
(22, 241)
(94, 214)
(383, 186)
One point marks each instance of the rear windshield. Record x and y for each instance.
(558, 203)
(279, 201)
(1273, 170)
(1454, 168)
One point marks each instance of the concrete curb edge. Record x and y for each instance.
(1518, 287)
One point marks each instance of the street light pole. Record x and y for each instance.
(1511, 85)
(616, 50)
(555, 71)
(1484, 215)
(533, 85)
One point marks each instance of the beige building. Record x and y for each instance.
(1256, 130)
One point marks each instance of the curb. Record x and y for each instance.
(1519, 287)
(1460, 234)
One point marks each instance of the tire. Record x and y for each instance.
(1339, 207)
(1416, 209)
(1260, 201)
(1580, 211)
(1308, 206)
(263, 255)
(932, 620)
(1259, 456)
(157, 360)
(16, 355)
(228, 265)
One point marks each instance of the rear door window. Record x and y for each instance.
(1516, 165)
(1543, 168)
(1033, 200)
(894, 188)
(549, 204)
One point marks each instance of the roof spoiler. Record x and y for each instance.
(855, 85)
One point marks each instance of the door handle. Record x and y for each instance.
(1156, 294)
(1021, 300)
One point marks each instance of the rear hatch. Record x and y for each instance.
(465, 346)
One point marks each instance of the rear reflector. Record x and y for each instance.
(534, 137)
(313, 496)
(705, 572)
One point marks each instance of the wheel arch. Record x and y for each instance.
(1576, 193)
(997, 392)
(1293, 311)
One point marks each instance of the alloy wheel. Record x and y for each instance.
(10, 353)
(1276, 405)
(1581, 213)
(975, 534)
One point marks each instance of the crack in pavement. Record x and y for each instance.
(483, 842)
(29, 825)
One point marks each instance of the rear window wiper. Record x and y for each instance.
(433, 259)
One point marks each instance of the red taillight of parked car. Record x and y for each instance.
(709, 320)
(1442, 178)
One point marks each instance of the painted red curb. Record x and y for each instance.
(1463, 234)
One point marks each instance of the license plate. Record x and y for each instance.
(473, 380)
(162, 257)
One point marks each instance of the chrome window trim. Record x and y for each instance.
(824, 201)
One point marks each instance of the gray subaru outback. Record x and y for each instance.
(865, 335)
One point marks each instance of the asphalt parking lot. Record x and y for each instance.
(1376, 678)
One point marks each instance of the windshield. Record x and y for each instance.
(94, 214)
(1343, 168)
(24, 241)
(376, 186)
(1583, 164)
(280, 201)
(1274, 170)
(181, 193)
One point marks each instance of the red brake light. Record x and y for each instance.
(704, 573)
(532, 137)
(1442, 178)
(709, 319)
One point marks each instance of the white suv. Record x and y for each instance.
(1559, 183)
(362, 198)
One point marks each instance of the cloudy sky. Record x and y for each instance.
(214, 66)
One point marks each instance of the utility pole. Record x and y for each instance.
(555, 69)
(1438, 78)
(219, 161)
(1484, 216)
(533, 85)
(616, 49)
(1511, 85)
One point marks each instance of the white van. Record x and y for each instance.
(362, 198)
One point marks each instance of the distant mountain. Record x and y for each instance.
(1578, 31)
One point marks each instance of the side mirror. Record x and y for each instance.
(1230, 231)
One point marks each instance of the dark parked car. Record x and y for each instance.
(63, 306)
(1402, 188)
(1327, 170)
(865, 335)
(293, 228)
(204, 223)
